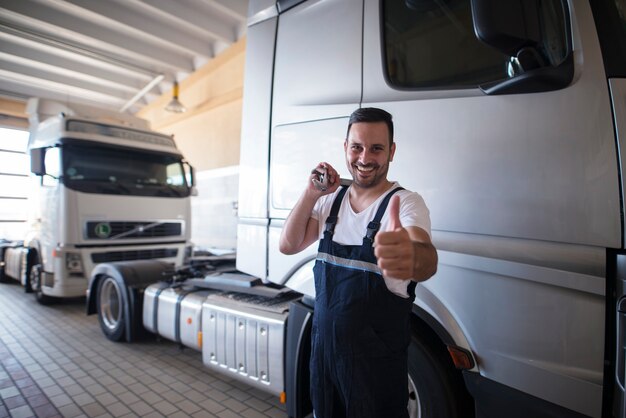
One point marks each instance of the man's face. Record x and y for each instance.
(368, 153)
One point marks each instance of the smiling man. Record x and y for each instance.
(374, 246)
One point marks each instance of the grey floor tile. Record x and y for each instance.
(154, 414)
(21, 412)
(106, 399)
(9, 392)
(52, 390)
(83, 399)
(211, 406)
(128, 398)
(70, 411)
(252, 413)
(94, 377)
(141, 408)
(234, 405)
(188, 407)
(165, 408)
(61, 400)
(118, 409)
(228, 414)
(203, 414)
(172, 396)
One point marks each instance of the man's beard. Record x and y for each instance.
(375, 180)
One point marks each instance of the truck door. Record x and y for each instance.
(610, 17)
(317, 85)
(521, 179)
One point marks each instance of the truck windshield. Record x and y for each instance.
(108, 170)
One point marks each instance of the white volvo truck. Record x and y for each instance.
(510, 120)
(106, 188)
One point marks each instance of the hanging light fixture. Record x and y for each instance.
(175, 105)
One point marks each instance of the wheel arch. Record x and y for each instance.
(109, 270)
(132, 277)
(34, 255)
(432, 333)
(431, 313)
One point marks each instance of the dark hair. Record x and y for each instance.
(371, 114)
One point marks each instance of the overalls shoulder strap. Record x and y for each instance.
(374, 225)
(331, 221)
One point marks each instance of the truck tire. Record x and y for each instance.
(110, 305)
(433, 386)
(3, 277)
(34, 282)
(31, 258)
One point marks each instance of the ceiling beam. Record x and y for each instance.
(36, 87)
(67, 77)
(235, 9)
(158, 29)
(189, 15)
(21, 44)
(44, 18)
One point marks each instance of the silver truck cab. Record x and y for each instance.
(510, 117)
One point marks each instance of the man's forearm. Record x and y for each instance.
(294, 238)
(425, 261)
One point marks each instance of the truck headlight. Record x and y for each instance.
(73, 263)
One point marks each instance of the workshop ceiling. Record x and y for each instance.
(107, 53)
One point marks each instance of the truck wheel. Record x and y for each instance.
(30, 259)
(34, 281)
(110, 308)
(432, 384)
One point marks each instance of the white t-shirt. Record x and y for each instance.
(351, 226)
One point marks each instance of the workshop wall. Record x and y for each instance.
(208, 134)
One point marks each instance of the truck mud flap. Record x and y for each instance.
(297, 373)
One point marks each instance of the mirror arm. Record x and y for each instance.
(534, 81)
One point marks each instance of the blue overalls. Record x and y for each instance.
(360, 331)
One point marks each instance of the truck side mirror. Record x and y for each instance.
(524, 30)
(37, 165)
(190, 177)
(190, 172)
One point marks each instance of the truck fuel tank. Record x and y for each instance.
(175, 313)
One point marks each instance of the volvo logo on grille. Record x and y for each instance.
(103, 230)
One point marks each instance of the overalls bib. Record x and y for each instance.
(360, 332)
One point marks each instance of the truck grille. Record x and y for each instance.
(131, 229)
(133, 255)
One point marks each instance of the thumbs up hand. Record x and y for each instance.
(394, 248)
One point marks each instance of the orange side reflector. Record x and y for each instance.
(55, 253)
(462, 358)
(200, 339)
(189, 321)
(283, 397)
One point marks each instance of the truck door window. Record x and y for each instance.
(432, 44)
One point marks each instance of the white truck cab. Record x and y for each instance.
(106, 189)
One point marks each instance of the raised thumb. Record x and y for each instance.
(394, 213)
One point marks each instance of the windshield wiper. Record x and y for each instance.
(106, 185)
(173, 190)
(164, 188)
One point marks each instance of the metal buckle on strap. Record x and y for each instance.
(331, 221)
(372, 229)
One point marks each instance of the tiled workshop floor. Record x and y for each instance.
(55, 362)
